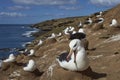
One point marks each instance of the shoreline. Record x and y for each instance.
(8, 50)
(101, 54)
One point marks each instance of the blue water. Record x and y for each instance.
(14, 36)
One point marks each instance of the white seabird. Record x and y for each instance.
(77, 59)
(99, 14)
(81, 30)
(100, 20)
(89, 21)
(80, 24)
(26, 50)
(71, 29)
(114, 22)
(66, 31)
(52, 36)
(11, 58)
(40, 42)
(74, 32)
(31, 66)
(32, 52)
(60, 34)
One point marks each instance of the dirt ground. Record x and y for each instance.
(103, 53)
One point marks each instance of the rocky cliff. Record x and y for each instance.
(103, 51)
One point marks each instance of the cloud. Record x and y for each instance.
(45, 2)
(17, 7)
(105, 2)
(70, 7)
(11, 14)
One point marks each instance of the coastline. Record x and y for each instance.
(25, 34)
(102, 55)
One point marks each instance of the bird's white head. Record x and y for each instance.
(74, 44)
(11, 56)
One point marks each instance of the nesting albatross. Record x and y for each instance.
(11, 58)
(77, 59)
(31, 66)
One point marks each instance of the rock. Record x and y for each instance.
(47, 29)
(97, 34)
(31, 75)
(61, 74)
(97, 26)
(5, 49)
(58, 73)
(104, 36)
(113, 30)
(5, 66)
(20, 58)
(15, 74)
(50, 41)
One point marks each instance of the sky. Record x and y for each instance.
(34, 11)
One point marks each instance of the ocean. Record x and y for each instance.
(14, 36)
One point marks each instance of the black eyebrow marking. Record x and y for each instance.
(75, 45)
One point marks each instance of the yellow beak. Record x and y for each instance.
(70, 53)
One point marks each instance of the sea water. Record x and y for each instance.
(14, 36)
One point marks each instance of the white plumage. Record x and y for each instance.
(80, 24)
(79, 63)
(32, 52)
(11, 58)
(26, 50)
(60, 34)
(52, 36)
(69, 30)
(31, 66)
(81, 30)
(100, 20)
(100, 14)
(114, 22)
(40, 42)
(66, 31)
(74, 32)
(89, 21)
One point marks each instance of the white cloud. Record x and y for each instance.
(70, 7)
(11, 14)
(17, 7)
(105, 2)
(45, 2)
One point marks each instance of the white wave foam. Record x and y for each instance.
(29, 33)
(24, 44)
